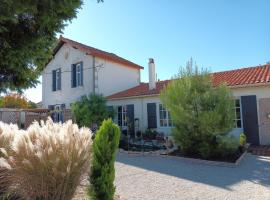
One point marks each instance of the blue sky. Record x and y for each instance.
(219, 35)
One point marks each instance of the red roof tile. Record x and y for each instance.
(95, 52)
(233, 78)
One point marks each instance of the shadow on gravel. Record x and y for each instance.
(253, 168)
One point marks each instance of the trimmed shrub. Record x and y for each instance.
(46, 161)
(104, 152)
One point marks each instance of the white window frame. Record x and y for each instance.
(57, 77)
(167, 121)
(123, 123)
(240, 114)
(78, 74)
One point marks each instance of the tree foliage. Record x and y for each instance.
(202, 114)
(14, 101)
(104, 152)
(90, 110)
(27, 34)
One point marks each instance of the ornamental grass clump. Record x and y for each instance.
(46, 161)
(7, 133)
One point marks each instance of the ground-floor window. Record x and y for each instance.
(165, 119)
(57, 114)
(237, 114)
(122, 116)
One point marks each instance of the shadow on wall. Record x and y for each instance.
(253, 168)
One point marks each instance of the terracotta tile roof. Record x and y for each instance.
(244, 76)
(233, 78)
(95, 52)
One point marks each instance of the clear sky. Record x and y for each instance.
(218, 34)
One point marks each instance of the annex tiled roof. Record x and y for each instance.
(233, 78)
(244, 76)
(95, 52)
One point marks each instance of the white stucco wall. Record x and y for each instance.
(63, 59)
(140, 108)
(260, 92)
(113, 77)
(140, 111)
(110, 78)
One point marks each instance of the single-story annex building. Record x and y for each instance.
(250, 88)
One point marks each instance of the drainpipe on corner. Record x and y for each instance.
(94, 74)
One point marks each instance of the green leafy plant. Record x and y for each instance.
(242, 139)
(102, 171)
(200, 111)
(150, 134)
(90, 110)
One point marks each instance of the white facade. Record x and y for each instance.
(140, 110)
(107, 78)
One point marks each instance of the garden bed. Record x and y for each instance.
(227, 161)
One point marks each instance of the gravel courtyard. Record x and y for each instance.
(159, 178)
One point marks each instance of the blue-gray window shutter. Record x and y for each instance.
(53, 80)
(130, 116)
(73, 75)
(59, 80)
(250, 118)
(81, 73)
(152, 115)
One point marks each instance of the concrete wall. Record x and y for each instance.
(263, 106)
(110, 77)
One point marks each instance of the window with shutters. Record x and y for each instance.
(56, 79)
(77, 75)
(165, 119)
(122, 116)
(237, 114)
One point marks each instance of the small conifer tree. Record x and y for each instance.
(104, 152)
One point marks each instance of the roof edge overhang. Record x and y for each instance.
(62, 41)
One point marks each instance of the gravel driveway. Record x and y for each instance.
(166, 178)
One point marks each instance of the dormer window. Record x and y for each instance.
(77, 74)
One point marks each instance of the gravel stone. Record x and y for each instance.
(168, 178)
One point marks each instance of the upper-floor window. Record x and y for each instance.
(237, 114)
(77, 74)
(122, 116)
(56, 79)
(165, 119)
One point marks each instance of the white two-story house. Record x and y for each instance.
(77, 69)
